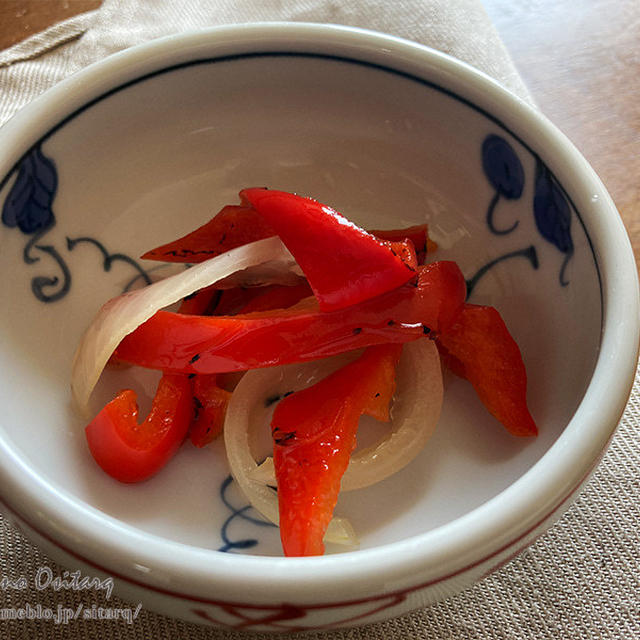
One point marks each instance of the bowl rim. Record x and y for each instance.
(121, 550)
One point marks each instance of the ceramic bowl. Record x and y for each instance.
(146, 145)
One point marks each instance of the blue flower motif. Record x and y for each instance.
(551, 209)
(28, 205)
(504, 171)
(502, 167)
(552, 214)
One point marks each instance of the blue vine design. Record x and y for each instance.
(29, 208)
(109, 258)
(146, 278)
(529, 253)
(551, 210)
(242, 513)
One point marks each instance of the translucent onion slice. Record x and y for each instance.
(415, 413)
(256, 263)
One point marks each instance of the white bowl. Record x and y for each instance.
(146, 145)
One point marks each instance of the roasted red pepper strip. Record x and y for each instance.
(479, 347)
(314, 433)
(406, 251)
(418, 234)
(131, 452)
(343, 263)
(209, 344)
(277, 296)
(233, 226)
(237, 225)
(200, 302)
(233, 301)
(216, 392)
(211, 407)
(209, 400)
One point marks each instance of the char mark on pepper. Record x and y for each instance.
(283, 439)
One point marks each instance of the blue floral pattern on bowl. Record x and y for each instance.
(29, 208)
(552, 213)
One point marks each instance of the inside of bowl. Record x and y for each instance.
(157, 158)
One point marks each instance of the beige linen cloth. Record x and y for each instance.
(580, 580)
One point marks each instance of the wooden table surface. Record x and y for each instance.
(579, 58)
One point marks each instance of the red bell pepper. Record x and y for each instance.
(214, 394)
(406, 251)
(314, 433)
(478, 346)
(200, 302)
(277, 296)
(233, 226)
(131, 452)
(211, 407)
(229, 302)
(209, 344)
(209, 399)
(418, 234)
(233, 301)
(237, 225)
(343, 263)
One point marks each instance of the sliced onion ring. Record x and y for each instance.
(415, 413)
(255, 263)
